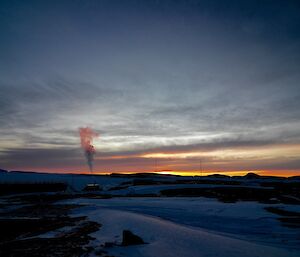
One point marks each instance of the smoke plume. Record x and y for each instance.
(86, 137)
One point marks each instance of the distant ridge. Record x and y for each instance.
(144, 174)
(218, 176)
(250, 175)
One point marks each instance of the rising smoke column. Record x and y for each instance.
(86, 137)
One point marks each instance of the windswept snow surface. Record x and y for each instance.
(190, 227)
(156, 189)
(75, 181)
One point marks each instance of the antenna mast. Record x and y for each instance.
(200, 167)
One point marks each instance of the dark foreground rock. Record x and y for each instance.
(289, 219)
(70, 244)
(131, 239)
(22, 229)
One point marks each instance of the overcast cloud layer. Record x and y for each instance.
(211, 80)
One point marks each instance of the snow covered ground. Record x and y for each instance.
(156, 189)
(190, 227)
(75, 181)
(180, 226)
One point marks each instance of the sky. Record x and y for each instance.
(170, 86)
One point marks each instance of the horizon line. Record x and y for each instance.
(172, 173)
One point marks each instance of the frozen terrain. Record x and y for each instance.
(175, 216)
(190, 227)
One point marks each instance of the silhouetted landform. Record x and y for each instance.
(14, 188)
(249, 175)
(21, 227)
(141, 175)
(131, 239)
(139, 182)
(217, 176)
(252, 175)
(294, 178)
(11, 172)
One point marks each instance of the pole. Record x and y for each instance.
(200, 167)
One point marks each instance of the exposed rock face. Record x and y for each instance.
(131, 239)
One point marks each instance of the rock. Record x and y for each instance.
(109, 244)
(131, 239)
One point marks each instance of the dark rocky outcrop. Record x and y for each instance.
(251, 175)
(131, 239)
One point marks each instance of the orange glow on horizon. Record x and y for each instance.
(265, 160)
(276, 173)
(266, 152)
